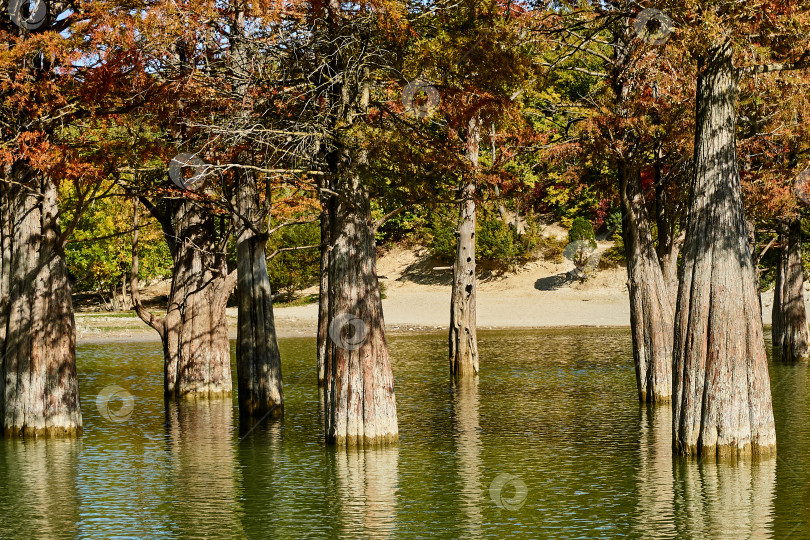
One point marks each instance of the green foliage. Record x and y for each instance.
(293, 270)
(304, 300)
(613, 223)
(406, 227)
(440, 235)
(614, 256)
(99, 254)
(501, 244)
(496, 242)
(567, 201)
(553, 248)
(582, 230)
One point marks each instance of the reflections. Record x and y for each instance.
(203, 481)
(685, 497)
(267, 493)
(567, 426)
(367, 485)
(322, 409)
(467, 436)
(791, 402)
(39, 496)
(728, 499)
(265, 428)
(655, 493)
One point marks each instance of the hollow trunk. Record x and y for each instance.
(258, 361)
(721, 391)
(39, 391)
(323, 298)
(652, 313)
(778, 308)
(194, 331)
(463, 339)
(794, 319)
(360, 401)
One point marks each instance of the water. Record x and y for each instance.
(550, 442)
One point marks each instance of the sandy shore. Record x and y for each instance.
(497, 307)
(418, 299)
(408, 312)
